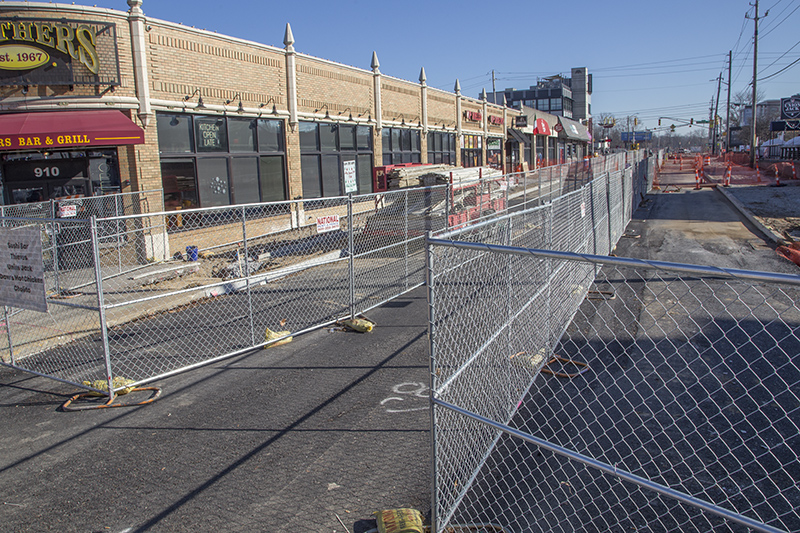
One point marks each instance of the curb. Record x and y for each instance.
(770, 234)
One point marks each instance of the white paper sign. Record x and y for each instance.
(327, 223)
(22, 269)
(350, 184)
(65, 211)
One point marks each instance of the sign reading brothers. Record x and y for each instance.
(790, 108)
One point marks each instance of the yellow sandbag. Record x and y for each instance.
(272, 335)
(358, 324)
(399, 521)
(530, 361)
(102, 384)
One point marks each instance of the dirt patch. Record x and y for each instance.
(778, 208)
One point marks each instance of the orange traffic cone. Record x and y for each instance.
(727, 181)
(696, 179)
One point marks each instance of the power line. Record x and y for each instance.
(781, 70)
(775, 26)
(781, 57)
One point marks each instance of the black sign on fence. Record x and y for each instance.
(790, 108)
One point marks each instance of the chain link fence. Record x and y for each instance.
(581, 392)
(140, 294)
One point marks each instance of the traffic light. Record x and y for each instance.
(659, 122)
(672, 127)
(691, 121)
(635, 121)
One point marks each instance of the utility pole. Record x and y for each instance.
(755, 79)
(728, 114)
(711, 123)
(494, 89)
(716, 111)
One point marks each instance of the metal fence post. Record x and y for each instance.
(447, 205)
(507, 180)
(405, 239)
(350, 254)
(608, 211)
(101, 307)
(247, 276)
(8, 331)
(539, 194)
(480, 193)
(118, 207)
(432, 379)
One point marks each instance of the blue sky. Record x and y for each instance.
(647, 58)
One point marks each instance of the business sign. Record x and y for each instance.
(473, 116)
(22, 269)
(58, 52)
(790, 108)
(350, 184)
(521, 122)
(327, 223)
(495, 121)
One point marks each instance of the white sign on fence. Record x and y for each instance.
(327, 223)
(350, 184)
(69, 210)
(22, 269)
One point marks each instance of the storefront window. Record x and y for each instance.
(212, 181)
(471, 151)
(211, 134)
(174, 133)
(244, 179)
(441, 148)
(41, 176)
(216, 172)
(178, 178)
(494, 153)
(324, 147)
(400, 146)
(242, 134)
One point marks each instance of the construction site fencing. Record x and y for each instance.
(142, 295)
(573, 391)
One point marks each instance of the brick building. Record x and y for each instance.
(97, 100)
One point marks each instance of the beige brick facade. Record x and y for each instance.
(238, 78)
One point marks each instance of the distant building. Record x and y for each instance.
(767, 108)
(557, 95)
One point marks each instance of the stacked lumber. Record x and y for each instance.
(429, 175)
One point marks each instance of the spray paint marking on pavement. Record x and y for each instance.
(410, 391)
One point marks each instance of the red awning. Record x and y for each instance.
(542, 127)
(56, 129)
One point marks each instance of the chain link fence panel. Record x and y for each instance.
(685, 420)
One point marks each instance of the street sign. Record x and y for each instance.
(636, 136)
